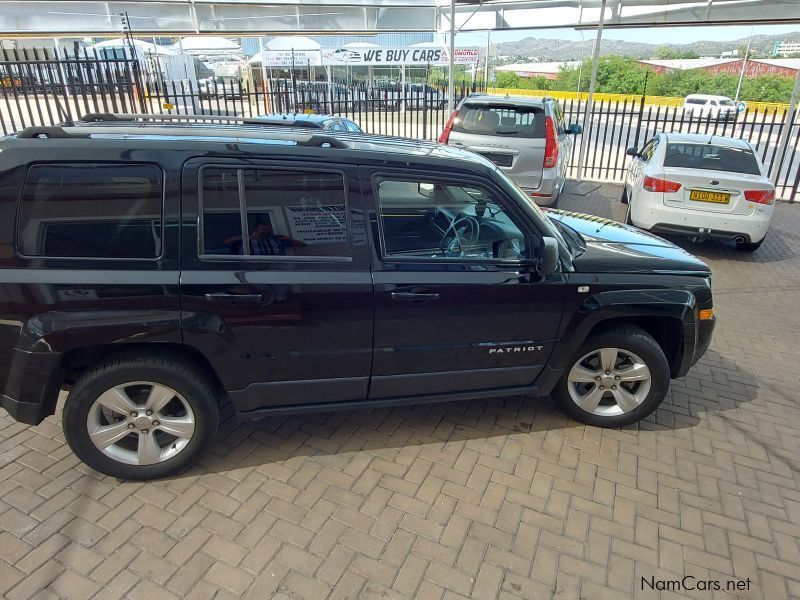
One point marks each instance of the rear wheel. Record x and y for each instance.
(624, 198)
(750, 246)
(628, 219)
(140, 417)
(617, 378)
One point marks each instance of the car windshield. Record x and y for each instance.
(547, 222)
(711, 157)
(500, 119)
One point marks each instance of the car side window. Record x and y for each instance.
(559, 117)
(91, 210)
(336, 126)
(428, 219)
(273, 214)
(649, 149)
(352, 126)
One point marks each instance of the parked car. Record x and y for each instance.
(152, 271)
(311, 121)
(711, 107)
(703, 186)
(526, 137)
(222, 87)
(392, 95)
(322, 96)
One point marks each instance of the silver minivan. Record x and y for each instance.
(526, 137)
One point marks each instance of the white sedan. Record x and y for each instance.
(703, 186)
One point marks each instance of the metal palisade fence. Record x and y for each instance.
(42, 88)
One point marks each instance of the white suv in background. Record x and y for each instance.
(707, 106)
(703, 186)
(527, 138)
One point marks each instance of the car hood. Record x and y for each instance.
(612, 247)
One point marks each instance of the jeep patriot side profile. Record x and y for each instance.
(154, 269)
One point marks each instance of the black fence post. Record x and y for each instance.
(639, 122)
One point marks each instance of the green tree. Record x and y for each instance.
(615, 75)
(668, 52)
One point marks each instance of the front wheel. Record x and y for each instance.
(617, 378)
(628, 218)
(140, 416)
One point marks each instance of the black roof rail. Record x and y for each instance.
(321, 140)
(104, 117)
(161, 118)
(54, 131)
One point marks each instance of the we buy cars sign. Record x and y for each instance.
(398, 56)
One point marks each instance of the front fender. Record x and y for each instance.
(620, 305)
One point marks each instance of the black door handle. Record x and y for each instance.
(235, 298)
(415, 296)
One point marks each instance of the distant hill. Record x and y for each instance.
(554, 50)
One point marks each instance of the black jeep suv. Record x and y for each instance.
(155, 269)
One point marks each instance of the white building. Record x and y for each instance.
(787, 48)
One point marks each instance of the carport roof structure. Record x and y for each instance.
(48, 18)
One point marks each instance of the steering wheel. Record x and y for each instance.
(465, 232)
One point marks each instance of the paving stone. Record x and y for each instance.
(501, 498)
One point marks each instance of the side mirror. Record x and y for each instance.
(549, 260)
(575, 129)
(426, 189)
(632, 152)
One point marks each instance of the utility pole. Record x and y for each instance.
(744, 65)
(587, 124)
(486, 66)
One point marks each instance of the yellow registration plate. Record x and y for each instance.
(702, 196)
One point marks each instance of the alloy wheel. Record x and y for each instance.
(609, 382)
(140, 423)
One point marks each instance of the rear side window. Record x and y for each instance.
(96, 210)
(695, 101)
(273, 213)
(711, 157)
(501, 120)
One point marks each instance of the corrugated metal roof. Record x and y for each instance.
(539, 67)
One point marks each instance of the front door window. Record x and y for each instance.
(429, 220)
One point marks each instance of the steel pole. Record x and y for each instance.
(786, 131)
(451, 85)
(744, 66)
(587, 124)
(486, 66)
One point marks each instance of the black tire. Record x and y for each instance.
(624, 197)
(750, 246)
(628, 220)
(626, 338)
(187, 380)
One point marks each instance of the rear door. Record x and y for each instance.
(713, 176)
(454, 310)
(639, 164)
(276, 290)
(511, 136)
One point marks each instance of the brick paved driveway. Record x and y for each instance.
(498, 499)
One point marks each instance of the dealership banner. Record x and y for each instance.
(408, 55)
(289, 58)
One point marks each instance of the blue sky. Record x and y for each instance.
(651, 35)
